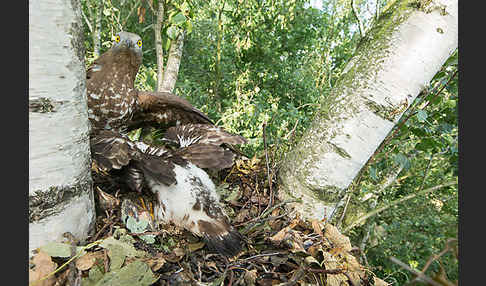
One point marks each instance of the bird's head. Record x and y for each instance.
(126, 41)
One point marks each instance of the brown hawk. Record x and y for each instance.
(185, 193)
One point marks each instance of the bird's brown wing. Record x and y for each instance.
(165, 108)
(110, 150)
(188, 134)
(97, 64)
(207, 156)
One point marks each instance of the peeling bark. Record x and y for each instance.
(60, 185)
(393, 63)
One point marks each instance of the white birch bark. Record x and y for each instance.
(173, 62)
(159, 52)
(97, 29)
(60, 185)
(397, 59)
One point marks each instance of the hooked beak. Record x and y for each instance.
(126, 44)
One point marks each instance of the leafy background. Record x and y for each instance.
(250, 63)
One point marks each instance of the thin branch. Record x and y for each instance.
(87, 21)
(419, 274)
(360, 23)
(270, 202)
(338, 225)
(131, 11)
(395, 202)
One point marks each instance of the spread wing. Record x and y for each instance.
(188, 134)
(110, 150)
(207, 156)
(165, 108)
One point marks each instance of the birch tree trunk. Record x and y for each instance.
(97, 29)
(393, 63)
(159, 52)
(60, 185)
(173, 62)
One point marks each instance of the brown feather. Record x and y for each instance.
(207, 156)
(111, 150)
(165, 108)
(202, 133)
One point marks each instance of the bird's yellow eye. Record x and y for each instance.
(117, 39)
(139, 43)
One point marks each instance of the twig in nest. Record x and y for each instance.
(264, 214)
(270, 201)
(333, 271)
(102, 229)
(146, 233)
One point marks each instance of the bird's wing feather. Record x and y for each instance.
(187, 134)
(166, 109)
(207, 156)
(111, 150)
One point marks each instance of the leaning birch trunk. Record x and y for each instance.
(173, 63)
(397, 59)
(60, 185)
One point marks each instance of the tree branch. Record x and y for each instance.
(173, 62)
(360, 23)
(158, 45)
(131, 11)
(395, 202)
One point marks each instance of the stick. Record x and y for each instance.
(419, 274)
(395, 202)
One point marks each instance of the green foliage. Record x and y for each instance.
(250, 63)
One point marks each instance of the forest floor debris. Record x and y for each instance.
(281, 248)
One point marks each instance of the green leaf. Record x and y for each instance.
(179, 19)
(136, 226)
(95, 275)
(167, 44)
(136, 273)
(402, 160)
(59, 249)
(188, 27)
(425, 144)
(421, 115)
(149, 238)
(134, 135)
(373, 174)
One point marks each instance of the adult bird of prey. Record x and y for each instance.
(185, 193)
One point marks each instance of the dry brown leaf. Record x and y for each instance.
(317, 227)
(379, 282)
(196, 246)
(250, 277)
(212, 265)
(241, 216)
(179, 251)
(337, 239)
(314, 250)
(279, 236)
(295, 240)
(156, 262)
(141, 14)
(43, 266)
(87, 261)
